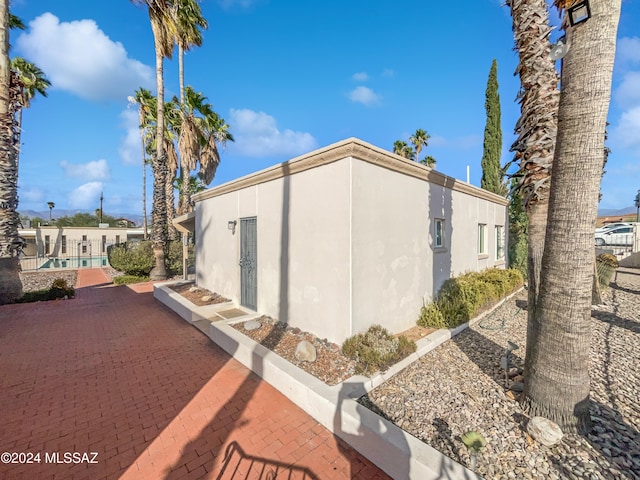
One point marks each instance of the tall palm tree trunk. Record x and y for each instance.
(10, 242)
(144, 185)
(557, 383)
(159, 211)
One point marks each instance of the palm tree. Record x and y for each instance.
(33, 81)
(145, 102)
(186, 190)
(51, 206)
(199, 130)
(189, 21)
(401, 148)
(557, 362)
(163, 29)
(420, 140)
(10, 242)
(429, 161)
(537, 126)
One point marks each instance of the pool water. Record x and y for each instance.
(76, 262)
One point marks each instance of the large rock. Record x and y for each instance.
(306, 352)
(544, 431)
(251, 325)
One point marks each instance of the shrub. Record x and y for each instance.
(462, 298)
(59, 289)
(136, 258)
(606, 265)
(431, 316)
(376, 349)
(127, 279)
(132, 258)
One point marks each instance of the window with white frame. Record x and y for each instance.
(438, 233)
(499, 242)
(482, 239)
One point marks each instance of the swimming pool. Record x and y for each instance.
(76, 262)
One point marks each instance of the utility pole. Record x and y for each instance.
(101, 198)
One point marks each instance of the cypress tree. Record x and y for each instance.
(492, 172)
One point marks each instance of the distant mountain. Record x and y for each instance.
(57, 213)
(611, 212)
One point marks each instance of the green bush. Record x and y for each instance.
(606, 265)
(136, 258)
(376, 349)
(462, 298)
(127, 279)
(59, 289)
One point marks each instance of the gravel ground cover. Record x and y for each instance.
(32, 281)
(330, 366)
(460, 386)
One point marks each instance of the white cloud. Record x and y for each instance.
(130, 148)
(86, 196)
(365, 96)
(628, 50)
(33, 195)
(95, 170)
(257, 135)
(626, 132)
(79, 58)
(629, 89)
(387, 72)
(360, 77)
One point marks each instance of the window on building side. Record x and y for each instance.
(438, 233)
(482, 239)
(499, 242)
(63, 245)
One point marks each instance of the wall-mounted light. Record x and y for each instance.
(231, 225)
(579, 13)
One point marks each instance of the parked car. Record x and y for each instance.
(609, 226)
(615, 236)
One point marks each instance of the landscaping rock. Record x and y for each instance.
(306, 352)
(194, 289)
(544, 431)
(518, 387)
(206, 298)
(251, 325)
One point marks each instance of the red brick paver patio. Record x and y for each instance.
(115, 378)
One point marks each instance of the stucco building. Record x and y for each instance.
(344, 237)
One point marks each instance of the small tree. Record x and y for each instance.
(492, 172)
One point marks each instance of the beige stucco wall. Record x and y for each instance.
(345, 237)
(303, 247)
(395, 265)
(36, 238)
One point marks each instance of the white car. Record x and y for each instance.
(615, 236)
(609, 226)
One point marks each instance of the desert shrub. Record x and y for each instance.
(608, 259)
(431, 316)
(606, 265)
(136, 258)
(376, 349)
(127, 279)
(173, 259)
(132, 258)
(462, 298)
(59, 289)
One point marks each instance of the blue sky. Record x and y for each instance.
(288, 77)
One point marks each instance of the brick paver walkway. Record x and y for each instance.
(116, 373)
